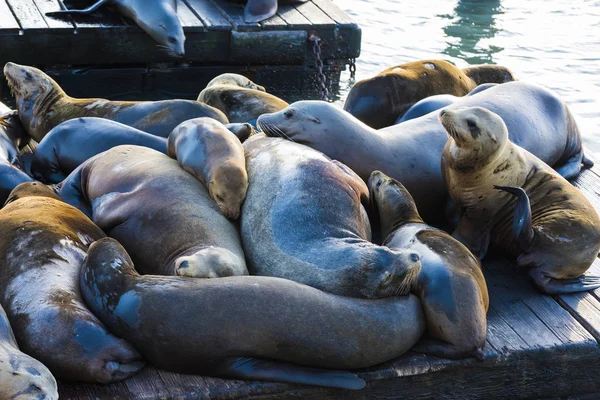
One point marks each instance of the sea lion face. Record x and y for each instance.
(30, 87)
(164, 27)
(23, 377)
(393, 274)
(301, 118)
(228, 188)
(477, 134)
(211, 262)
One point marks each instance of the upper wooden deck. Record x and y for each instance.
(538, 346)
(215, 32)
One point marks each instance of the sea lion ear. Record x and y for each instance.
(494, 138)
(314, 119)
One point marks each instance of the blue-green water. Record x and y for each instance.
(555, 43)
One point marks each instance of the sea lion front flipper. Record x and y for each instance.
(71, 191)
(440, 349)
(553, 286)
(265, 370)
(88, 10)
(259, 10)
(522, 226)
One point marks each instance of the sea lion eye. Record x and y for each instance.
(220, 198)
(172, 40)
(288, 114)
(471, 124)
(379, 182)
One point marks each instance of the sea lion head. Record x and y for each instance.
(160, 21)
(390, 272)
(228, 187)
(392, 201)
(210, 262)
(476, 134)
(31, 189)
(32, 89)
(24, 377)
(235, 80)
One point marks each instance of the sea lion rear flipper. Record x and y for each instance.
(587, 163)
(553, 286)
(522, 226)
(259, 10)
(264, 370)
(88, 10)
(440, 349)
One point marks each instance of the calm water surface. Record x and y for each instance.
(552, 43)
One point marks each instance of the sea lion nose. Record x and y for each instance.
(414, 257)
(184, 264)
(442, 113)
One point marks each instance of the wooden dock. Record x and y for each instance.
(538, 346)
(106, 55)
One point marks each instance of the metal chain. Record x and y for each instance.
(319, 65)
(352, 68)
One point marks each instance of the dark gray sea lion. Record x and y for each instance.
(259, 10)
(246, 327)
(410, 152)
(451, 286)
(43, 242)
(209, 151)
(71, 143)
(304, 220)
(21, 376)
(163, 215)
(42, 105)
(512, 201)
(381, 100)
(158, 18)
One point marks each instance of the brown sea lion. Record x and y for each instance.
(158, 18)
(43, 242)
(410, 152)
(235, 80)
(247, 327)
(163, 215)
(381, 100)
(304, 220)
(209, 151)
(42, 105)
(550, 227)
(450, 285)
(21, 376)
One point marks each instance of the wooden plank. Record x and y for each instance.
(234, 12)
(104, 17)
(315, 15)
(213, 18)
(293, 18)
(501, 336)
(275, 23)
(189, 21)
(45, 6)
(8, 22)
(28, 15)
(335, 13)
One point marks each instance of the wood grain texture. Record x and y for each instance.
(8, 22)
(28, 15)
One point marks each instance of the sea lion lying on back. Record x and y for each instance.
(381, 100)
(511, 200)
(410, 152)
(163, 215)
(42, 105)
(42, 244)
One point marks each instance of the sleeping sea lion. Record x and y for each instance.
(512, 201)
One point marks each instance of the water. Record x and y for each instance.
(552, 43)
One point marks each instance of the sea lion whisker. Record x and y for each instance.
(282, 133)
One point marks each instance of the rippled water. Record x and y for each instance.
(553, 43)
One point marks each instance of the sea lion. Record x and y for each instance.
(163, 215)
(381, 100)
(71, 143)
(157, 18)
(12, 128)
(235, 80)
(42, 105)
(551, 228)
(241, 104)
(43, 242)
(410, 152)
(304, 220)
(246, 327)
(451, 286)
(21, 376)
(209, 151)
(242, 130)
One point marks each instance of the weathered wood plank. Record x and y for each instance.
(189, 21)
(45, 6)
(213, 19)
(28, 15)
(104, 17)
(8, 22)
(275, 23)
(315, 15)
(293, 18)
(335, 13)
(234, 12)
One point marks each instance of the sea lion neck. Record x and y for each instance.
(399, 209)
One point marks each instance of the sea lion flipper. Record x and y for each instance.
(438, 348)
(71, 191)
(259, 10)
(522, 226)
(88, 10)
(265, 370)
(553, 286)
